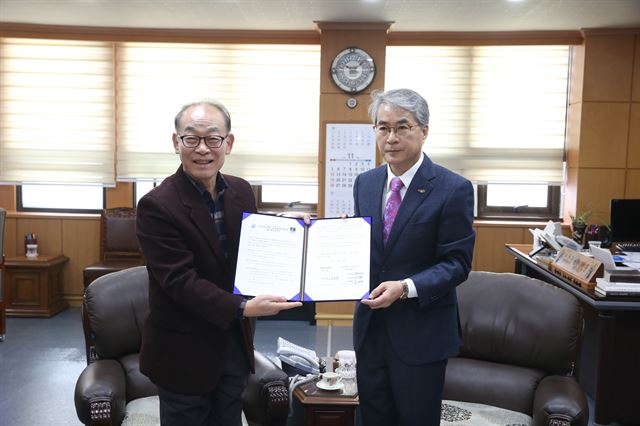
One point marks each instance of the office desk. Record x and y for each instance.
(609, 364)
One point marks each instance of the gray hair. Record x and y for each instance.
(211, 103)
(406, 99)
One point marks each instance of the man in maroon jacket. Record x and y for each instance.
(197, 344)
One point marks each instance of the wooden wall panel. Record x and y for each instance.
(574, 118)
(608, 67)
(599, 186)
(80, 251)
(570, 192)
(632, 189)
(604, 134)
(633, 151)
(635, 95)
(490, 252)
(576, 74)
(474, 262)
(120, 196)
(335, 109)
(334, 38)
(8, 197)
(10, 237)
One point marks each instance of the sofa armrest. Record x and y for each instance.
(100, 394)
(266, 398)
(559, 401)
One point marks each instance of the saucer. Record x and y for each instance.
(323, 386)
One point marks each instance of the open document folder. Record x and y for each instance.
(327, 260)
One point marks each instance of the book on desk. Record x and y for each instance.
(608, 288)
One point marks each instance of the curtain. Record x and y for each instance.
(498, 113)
(271, 92)
(57, 115)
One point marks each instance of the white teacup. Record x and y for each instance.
(330, 379)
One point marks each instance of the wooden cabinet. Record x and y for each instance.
(34, 285)
(323, 408)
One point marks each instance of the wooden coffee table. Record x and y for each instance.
(328, 408)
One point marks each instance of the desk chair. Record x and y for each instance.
(119, 248)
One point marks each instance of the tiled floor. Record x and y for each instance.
(41, 359)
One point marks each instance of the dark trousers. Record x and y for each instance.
(220, 407)
(392, 392)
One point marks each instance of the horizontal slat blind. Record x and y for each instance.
(271, 92)
(57, 115)
(498, 113)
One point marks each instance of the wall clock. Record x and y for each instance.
(353, 70)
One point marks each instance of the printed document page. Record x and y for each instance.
(270, 256)
(338, 256)
(277, 253)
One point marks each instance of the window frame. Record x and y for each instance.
(20, 207)
(551, 212)
(270, 207)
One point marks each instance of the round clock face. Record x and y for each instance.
(353, 70)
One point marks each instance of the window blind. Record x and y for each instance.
(57, 115)
(498, 113)
(271, 92)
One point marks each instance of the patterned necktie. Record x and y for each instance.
(391, 209)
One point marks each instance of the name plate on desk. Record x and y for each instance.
(576, 268)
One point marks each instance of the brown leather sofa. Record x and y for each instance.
(113, 312)
(119, 247)
(521, 342)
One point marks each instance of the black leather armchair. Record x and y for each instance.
(521, 341)
(119, 247)
(113, 313)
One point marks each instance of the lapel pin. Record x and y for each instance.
(422, 190)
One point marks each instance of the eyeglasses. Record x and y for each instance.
(400, 130)
(193, 141)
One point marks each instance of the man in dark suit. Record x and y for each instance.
(421, 249)
(197, 344)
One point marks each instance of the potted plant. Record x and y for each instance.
(579, 224)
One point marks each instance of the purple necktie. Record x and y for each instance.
(391, 209)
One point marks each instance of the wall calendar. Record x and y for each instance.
(350, 149)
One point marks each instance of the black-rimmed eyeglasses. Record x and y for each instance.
(192, 141)
(400, 130)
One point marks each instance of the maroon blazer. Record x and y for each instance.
(192, 308)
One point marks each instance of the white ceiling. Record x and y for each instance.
(408, 15)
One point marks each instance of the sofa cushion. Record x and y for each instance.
(501, 385)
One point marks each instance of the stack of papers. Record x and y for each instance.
(608, 288)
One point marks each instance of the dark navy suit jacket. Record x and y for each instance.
(192, 306)
(431, 242)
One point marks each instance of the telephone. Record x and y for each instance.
(542, 240)
(568, 242)
(298, 357)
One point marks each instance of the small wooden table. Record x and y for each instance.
(34, 286)
(328, 408)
